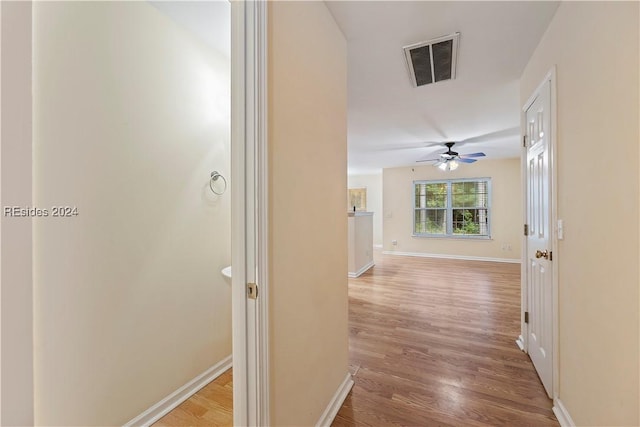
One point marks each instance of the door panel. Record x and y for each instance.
(539, 272)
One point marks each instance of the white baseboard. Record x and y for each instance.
(446, 256)
(336, 402)
(520, 342)
(362, 270)
(163, 407)
(562, 414)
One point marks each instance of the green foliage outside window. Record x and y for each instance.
(463, 203)
(465, 223)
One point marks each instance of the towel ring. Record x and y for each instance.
(214, 177)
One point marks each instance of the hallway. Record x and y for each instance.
(432, 342)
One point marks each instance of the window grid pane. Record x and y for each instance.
(470, 194)
(470, 222)
(431, 221)
(468, 209)
(431, 195)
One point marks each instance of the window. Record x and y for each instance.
(357, 198)
(453, 208)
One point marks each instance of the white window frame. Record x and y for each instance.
(449, 209)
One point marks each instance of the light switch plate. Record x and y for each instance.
(560, 229)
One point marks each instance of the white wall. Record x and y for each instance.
(16, 403)
(360, 242)
(506, 218)
(307, 145)
(373, 184)
(131, 114)
(595, 48)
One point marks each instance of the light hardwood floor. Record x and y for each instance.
(211, 406)
(433, 342)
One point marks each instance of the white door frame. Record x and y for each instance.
(249, 212)
(249, 220)
(522, 340)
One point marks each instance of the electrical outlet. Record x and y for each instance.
(394, 242)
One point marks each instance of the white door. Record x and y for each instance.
(539, 255)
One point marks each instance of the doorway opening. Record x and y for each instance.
(126, 131)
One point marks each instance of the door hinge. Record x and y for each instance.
(550, 256)
(524, 140)
(526, 229)
(252, 291)
(526, 317)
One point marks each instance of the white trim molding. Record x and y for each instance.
(562, 414)
(362, 270)
(262, 221)
(520, 342)
(336, 402)
(447, 256)
(170, 402)
(239, 219)
(249, 184)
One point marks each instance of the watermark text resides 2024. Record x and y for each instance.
(35, 212)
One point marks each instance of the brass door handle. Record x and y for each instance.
(542, 254)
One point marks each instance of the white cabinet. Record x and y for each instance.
(360, 242)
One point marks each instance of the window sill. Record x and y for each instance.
(445, 237)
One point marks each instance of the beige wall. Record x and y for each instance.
(307, 69)
(373, 184)
(131, 115)
(506, 217)
(595, 48)
(16, 397)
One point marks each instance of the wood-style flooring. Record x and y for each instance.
(212, 406)
(432, 342)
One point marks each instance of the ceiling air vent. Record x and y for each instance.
(433, 60)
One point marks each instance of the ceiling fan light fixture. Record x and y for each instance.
(450, 160)
(449, 165)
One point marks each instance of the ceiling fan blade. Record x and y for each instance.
(395, 147)
(487, 137)
(463, 160)
(427, 160)
(473, 155)
(407, 146)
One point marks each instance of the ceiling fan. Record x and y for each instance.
(450, 160)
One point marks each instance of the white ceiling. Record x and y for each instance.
(389, 119)
(209, 20)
